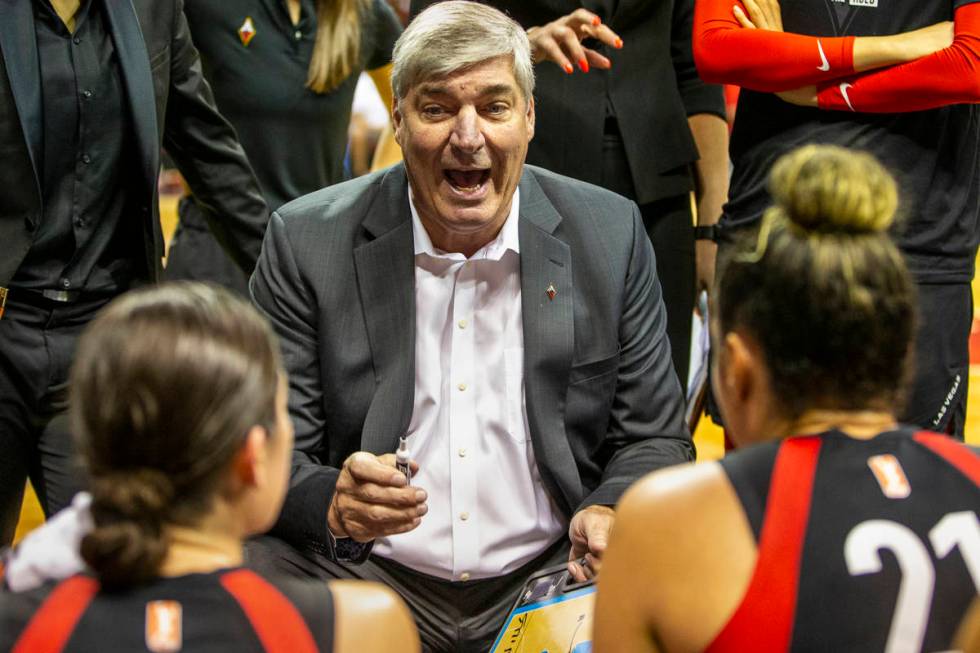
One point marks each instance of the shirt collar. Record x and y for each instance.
(507, 238)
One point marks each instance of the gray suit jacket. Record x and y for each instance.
(337, 279)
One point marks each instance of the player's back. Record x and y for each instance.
(230, 610)
(864, 545)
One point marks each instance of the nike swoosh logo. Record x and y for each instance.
(843, 91)
(825, 65)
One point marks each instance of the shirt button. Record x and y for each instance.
(462, 453)
(462, 387)
(87, 93)
(464, 576)
(77, 40)
(79, 222)
(298, 34)
(65, 283)
(86, 159)
(462, 324)
(464, 516)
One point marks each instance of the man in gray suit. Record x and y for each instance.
(505, 321)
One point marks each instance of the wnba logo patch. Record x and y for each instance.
(890, 476)
(163, 626)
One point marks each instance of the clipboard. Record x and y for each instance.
(552, 613)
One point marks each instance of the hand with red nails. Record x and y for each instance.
(560, 41)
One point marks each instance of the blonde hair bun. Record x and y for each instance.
(830, 189)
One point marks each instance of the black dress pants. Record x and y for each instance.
(452, 617)
(37, 344)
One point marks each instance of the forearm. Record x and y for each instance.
(773, 61)
(762, 60)
(949, 76)
(711, 169)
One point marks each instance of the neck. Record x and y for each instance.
(194, 550)
(861, 424)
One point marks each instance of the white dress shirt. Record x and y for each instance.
(488, 511)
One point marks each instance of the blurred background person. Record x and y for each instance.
(641, 123)
(179, 401)
(284, 74)
(892, 80)
(89, 91)
(841, 528)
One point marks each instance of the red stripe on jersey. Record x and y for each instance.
(953, 452)
(52, 625)
(764, 619)
(278, 624)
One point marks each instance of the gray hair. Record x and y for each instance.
(452, 36)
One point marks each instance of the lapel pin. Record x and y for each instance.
(551, 291)
(247, 31)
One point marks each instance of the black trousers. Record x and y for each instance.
(670, 226)
(37, 344)
(452, 617)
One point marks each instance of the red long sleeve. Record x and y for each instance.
(950, 76)
(762, 60)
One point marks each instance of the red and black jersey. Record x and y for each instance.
(918, 118)
(864, 545)
(231, 610)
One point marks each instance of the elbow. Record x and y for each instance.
(712, 66)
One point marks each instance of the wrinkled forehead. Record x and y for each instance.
(492, 77)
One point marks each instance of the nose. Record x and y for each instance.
(467, 136)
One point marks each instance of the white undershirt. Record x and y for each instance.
(488, 511)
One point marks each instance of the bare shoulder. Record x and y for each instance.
(370, 617)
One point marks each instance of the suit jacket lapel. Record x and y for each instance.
(549, 338)
(386, 282)
(134, 62)
(18, 46)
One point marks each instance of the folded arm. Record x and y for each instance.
(949, 76)
(730, 48)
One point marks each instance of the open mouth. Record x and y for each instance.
(467, 181)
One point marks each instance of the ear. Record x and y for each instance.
(251, 457)
(743, 367)
(530, 119)
(397, 120)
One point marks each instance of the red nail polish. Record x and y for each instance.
(584, 65)
(597, 21)
(619, 43)
(569, 69)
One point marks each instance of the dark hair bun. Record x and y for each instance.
(129, 508)
(830, 189)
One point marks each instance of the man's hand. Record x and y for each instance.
(763, 14)
(589, 533)
(373, 499)
(561, 41)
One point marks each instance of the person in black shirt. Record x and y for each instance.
(261, 58)
(841, 529)
(874, 77)
(179, 401)
(88, 90)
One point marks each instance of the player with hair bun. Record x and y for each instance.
(178, 398)
(840, 529)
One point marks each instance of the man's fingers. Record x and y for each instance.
(382, 494)
(367, 468)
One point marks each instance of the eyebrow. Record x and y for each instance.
(491, 89)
